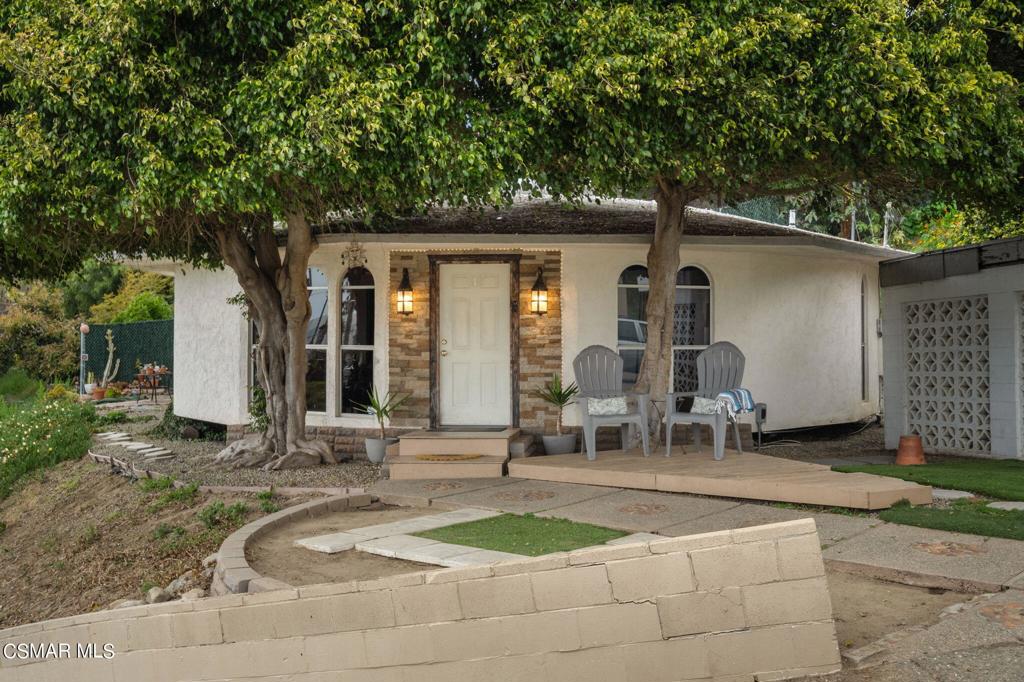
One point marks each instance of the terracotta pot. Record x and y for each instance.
(98, 392)
(910, 451)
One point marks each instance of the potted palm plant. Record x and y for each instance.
(554, 393)
(381, 407)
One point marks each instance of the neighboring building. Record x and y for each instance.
(954, 331)
(802, 306)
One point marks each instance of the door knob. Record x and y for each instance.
(444, 354)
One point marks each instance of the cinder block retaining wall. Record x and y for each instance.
(720, 606)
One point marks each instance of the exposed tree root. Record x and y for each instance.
(259, 451)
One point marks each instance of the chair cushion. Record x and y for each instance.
(604, 407)
(704, 406)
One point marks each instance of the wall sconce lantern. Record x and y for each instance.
(539, 295)
(404, 302)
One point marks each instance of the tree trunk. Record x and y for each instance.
(662, 266)
(279, 305)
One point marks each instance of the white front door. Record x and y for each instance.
(473, 344)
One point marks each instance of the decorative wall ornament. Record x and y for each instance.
(354, 256)
(947, 362)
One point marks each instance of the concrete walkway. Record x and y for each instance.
(857, 543)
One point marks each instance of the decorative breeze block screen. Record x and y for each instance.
(947, 356)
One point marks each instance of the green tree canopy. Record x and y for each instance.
(185, 128)
(723, 101)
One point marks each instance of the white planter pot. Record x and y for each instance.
(377, 448)
(559, 445)
(88, 389)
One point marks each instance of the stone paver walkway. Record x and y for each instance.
(147, 450)
(855, 543)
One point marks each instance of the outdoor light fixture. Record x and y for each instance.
(539, 294)
(404, 302)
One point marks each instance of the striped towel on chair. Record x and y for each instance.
(736, 401)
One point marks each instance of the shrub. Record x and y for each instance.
(112, 392)
(133, 284)
(153, 484)
(146, 306)
(170, 427)
(60, 392)
(17, 386)
(35, 335)
(40, 435)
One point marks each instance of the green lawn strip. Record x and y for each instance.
(529, 535)
(963, 516)
(1000, 478)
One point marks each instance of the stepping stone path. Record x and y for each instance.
(1007, 506)
(152, 453)
(395, 540)
(943, 494)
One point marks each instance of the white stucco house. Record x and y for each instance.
(471, 352)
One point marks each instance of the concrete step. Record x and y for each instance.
(521, 446)
(489, 443)
(410, 467)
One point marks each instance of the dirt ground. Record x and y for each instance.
(78, 538)
(866, 609)
(276, 556)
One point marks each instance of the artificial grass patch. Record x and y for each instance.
(1003, 479)
(529, 535)
(963, 516)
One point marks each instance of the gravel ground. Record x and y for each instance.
(840, 441)
(193, 462)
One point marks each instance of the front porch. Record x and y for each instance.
(745, 475)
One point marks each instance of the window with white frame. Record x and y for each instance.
(316, 341)
(357, 311)
(691, 326)
(863, 338)
(633, 288)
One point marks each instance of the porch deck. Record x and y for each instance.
(747, 476)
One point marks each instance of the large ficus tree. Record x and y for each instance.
(707, 101)
(221, 132)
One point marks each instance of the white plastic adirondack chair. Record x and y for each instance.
(598, 372)
(719, 368)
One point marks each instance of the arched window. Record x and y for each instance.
(632, 320)
(356, 339)
(316, 341)
(691, 326)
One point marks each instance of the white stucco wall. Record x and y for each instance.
(795, 314)
(793, 310)
(210, 338)
(1004, 287)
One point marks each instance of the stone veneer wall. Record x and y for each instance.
(540, 340)
(730, 606)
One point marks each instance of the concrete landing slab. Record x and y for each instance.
(480, 557)
(1007, 506)
(739, 475)
(932, 558)
(525, 497)
(832, 528)
(638, 510)
(135, 447)
(438, 554)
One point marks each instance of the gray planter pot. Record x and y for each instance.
(377, 448)
(559, 445)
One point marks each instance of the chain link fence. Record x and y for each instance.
(135, 344)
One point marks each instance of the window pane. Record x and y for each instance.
(691, 276)
(684, 370)
(356, 379)
(632, 306)
(692, 319)
(357, 317)
(357, 277)
(630, 366)
(316, 331)
(315, 277)
(316, 380)
(634, 274)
